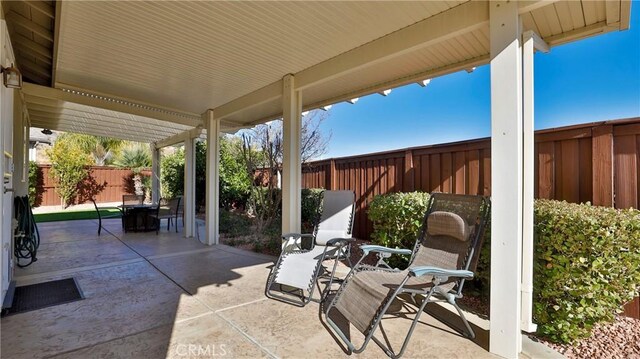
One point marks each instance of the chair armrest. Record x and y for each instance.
(335, 242)
(298, 235)
(380, 249)
(439, 272)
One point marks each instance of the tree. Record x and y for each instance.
(314, 142)
(262, 151)
(137, 157)
(68, 168)
(101, 149)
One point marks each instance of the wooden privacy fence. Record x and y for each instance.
(595, 162)
(109, 183)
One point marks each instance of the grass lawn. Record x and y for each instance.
(73, 215)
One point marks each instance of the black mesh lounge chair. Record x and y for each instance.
(295, 275)
(444, 256)
(102, 216)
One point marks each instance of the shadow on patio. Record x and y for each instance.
(166, 296)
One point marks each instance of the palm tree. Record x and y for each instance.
(136, 157)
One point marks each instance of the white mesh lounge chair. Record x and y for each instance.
(444, 256)
(295, 274)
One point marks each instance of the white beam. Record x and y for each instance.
(420, 76)
(528, 50)
(155, 173)
(189, 195)
(90, 129)
(505, 338)
(180, 137)
(445, 25)
(590, 30)
(268, 93)
(213, 178)
(537, 42)
(113, 103)
(291, 157)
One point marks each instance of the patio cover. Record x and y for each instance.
(220, 66)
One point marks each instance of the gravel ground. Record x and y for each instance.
(617, 340)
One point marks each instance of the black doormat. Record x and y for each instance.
(41, 295)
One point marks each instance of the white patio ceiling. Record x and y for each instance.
(187, 57)
(53, 109)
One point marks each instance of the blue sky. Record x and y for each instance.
(591, 80)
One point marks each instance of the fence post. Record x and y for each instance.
(602, 150)
(409, 184)
(331, 182)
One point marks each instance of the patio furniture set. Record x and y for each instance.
(138, 216)
(443, 258)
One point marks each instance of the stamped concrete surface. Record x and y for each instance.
(157, 296)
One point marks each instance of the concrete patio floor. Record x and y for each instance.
(156, 296)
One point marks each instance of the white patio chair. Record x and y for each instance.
(295, 274)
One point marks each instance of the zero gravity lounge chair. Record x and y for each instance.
(444, 256)
(295, 274)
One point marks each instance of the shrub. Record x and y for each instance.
(35, 183)
(234, 224)
(68, 169)
(234, 181)
(311, 201)
(172, 174)
(586, 267)
(397, 218)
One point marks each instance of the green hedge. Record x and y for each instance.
(397, 218)
(586, 259)
(586, 267)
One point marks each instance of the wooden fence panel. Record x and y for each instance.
(597, 162)
(581, 163)
(110, 184)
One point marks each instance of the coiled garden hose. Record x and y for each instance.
(26, 236)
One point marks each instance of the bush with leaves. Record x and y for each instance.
(397, 218)
(235, 184)
(234, 181)
(586, 259)
(172, 174)
(68, 168)
(35, 184)
(586, 266)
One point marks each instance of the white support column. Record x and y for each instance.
(506, 172)
(213, 178)
(291, 158)
(528, 49)
(155, 173)
(189, 196)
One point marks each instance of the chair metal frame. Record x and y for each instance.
(439, 275)
(100, 216)
(342, 247)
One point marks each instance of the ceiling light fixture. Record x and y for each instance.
(353, 100)
(326, 108)
(385, 92)
(11, 77)
(471, 69)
